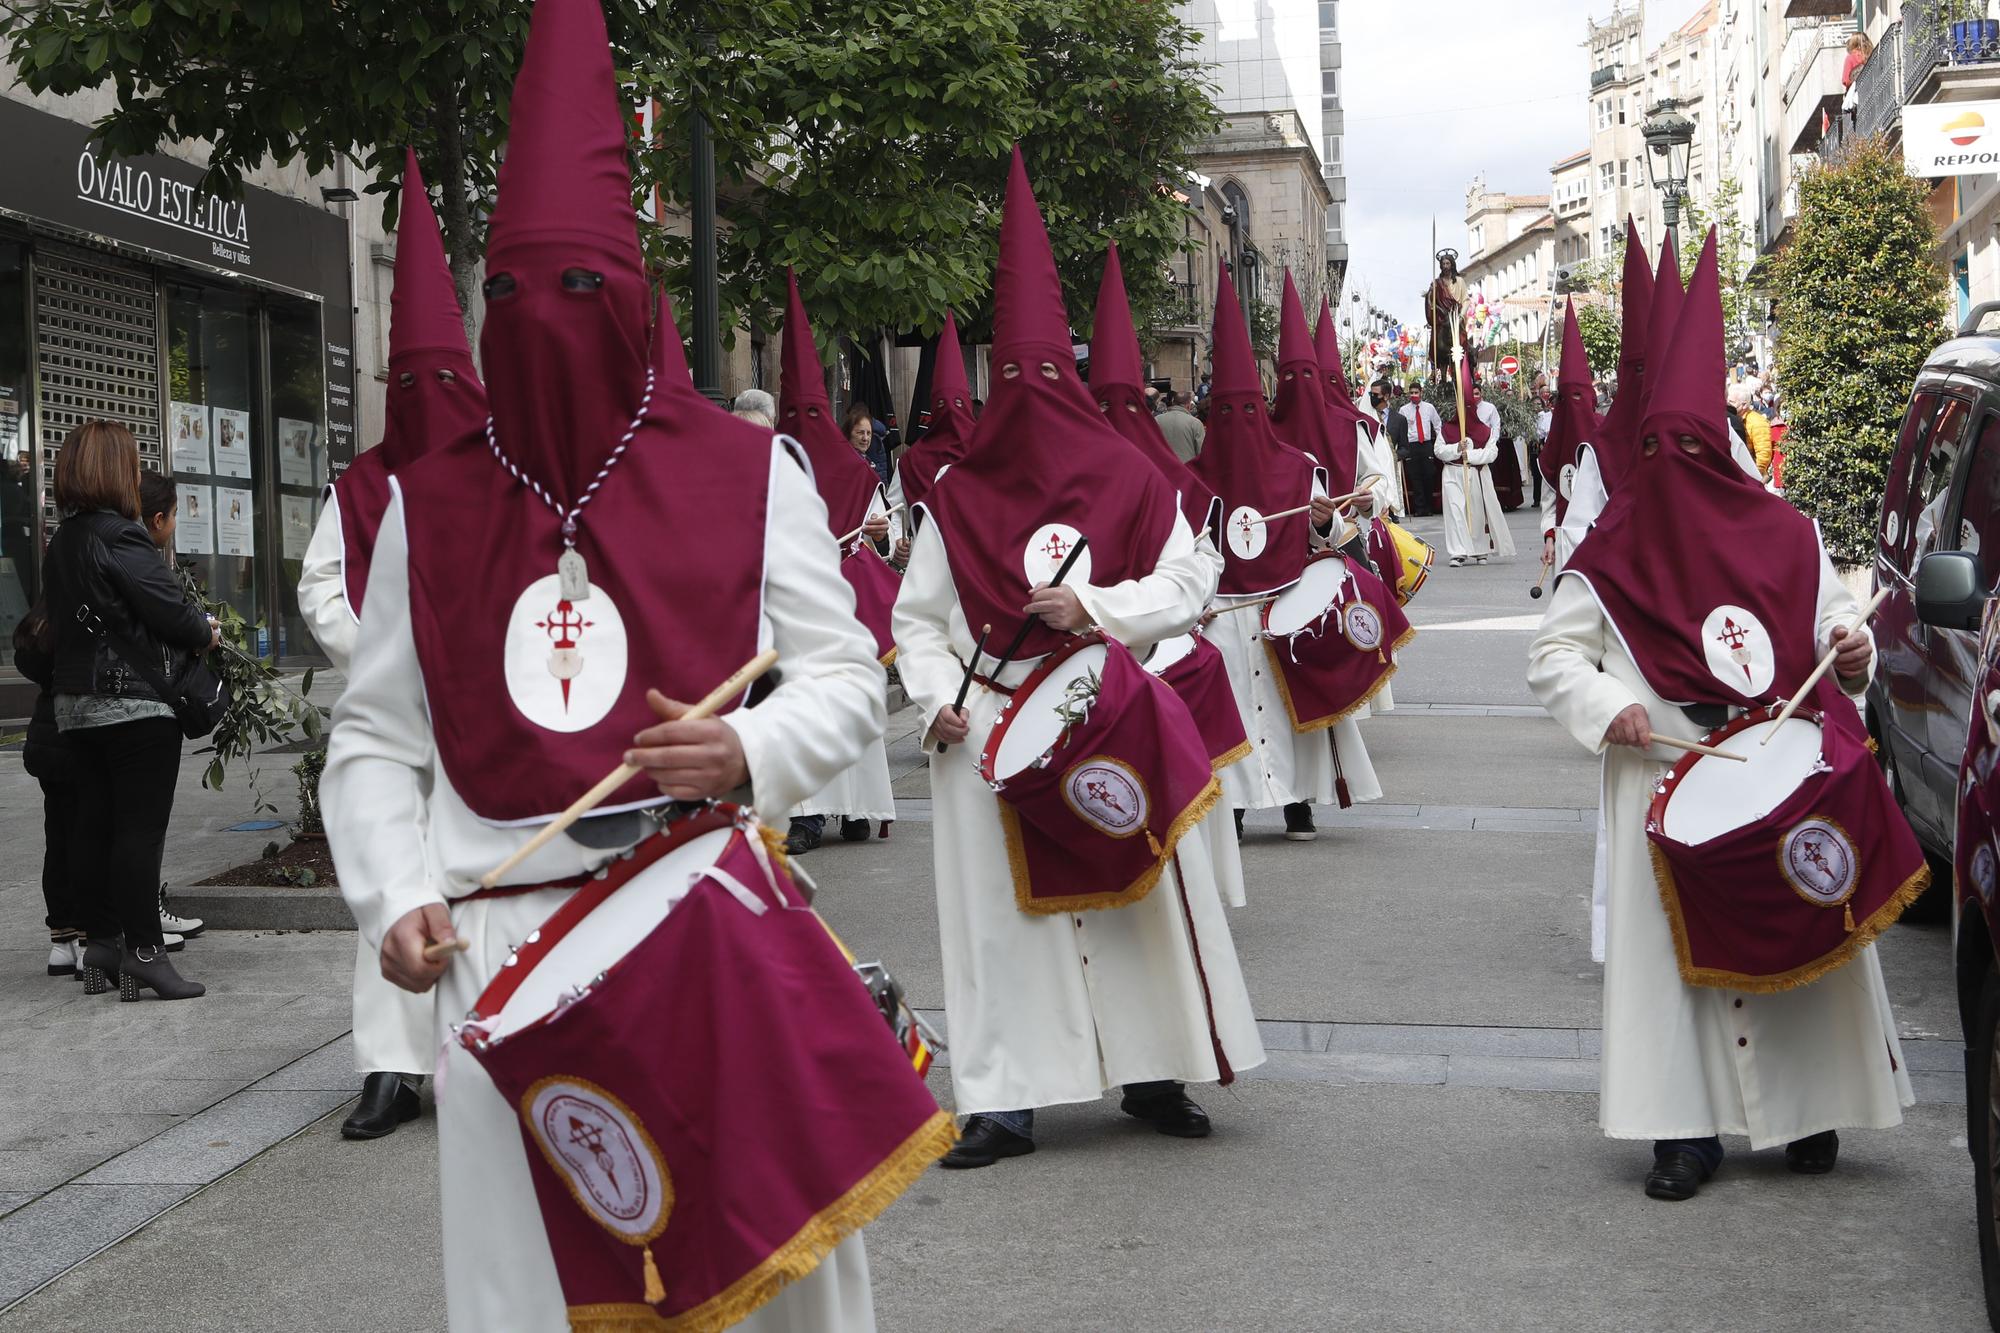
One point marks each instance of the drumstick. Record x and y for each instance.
(444, 948)
(1536, 591)
(887, 513)
(1693, 748)
(965, 685)
(1283, 513)
(1825, 663)
(624, 773)
(1062, 572)
(1245, 606)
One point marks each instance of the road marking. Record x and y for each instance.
(1512, 624)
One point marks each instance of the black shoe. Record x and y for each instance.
(984, 1142)
(1299, 822)
(387, 1100)
(1239, 826)
(147, 968)
(853, 830)
(802, 838)
(1170, 1113)
(1813, 1155)
(1677, 1174)
(100, 965)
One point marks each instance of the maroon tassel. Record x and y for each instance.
(1339, 775)
(885, 829)
(1340, 790)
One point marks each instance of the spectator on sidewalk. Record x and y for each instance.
(121, 621)
(47, 761)
(859, 426)
(1182, 430)
(756, 405)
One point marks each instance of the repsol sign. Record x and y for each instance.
(140, 190)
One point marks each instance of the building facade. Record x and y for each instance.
(1510, 257)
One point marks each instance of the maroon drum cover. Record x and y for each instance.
(1104, 774)
(1344, 654)
(1786, 898)
(708, 1118)
(1201, 679)
(875, 587)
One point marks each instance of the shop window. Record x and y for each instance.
(19, 504)
(298, 437)
(212, 443)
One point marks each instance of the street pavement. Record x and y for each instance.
(1420, 1152)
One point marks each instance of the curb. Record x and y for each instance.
(262, 906)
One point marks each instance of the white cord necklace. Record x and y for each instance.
(572, 575)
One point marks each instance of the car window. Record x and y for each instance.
(1979, 514)
(1939, 466)
(1899, 496)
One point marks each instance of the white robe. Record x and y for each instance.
(1045, 1010)
(392, 1027)
(1375, 470)
(1686, 1061)
(1474, 527)
(402, 838)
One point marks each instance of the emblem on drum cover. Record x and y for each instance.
(565, 660)
(1566, 481)
(1247, 532)
(1362, 624)
(1738, 648)
(595, 1143)
(1982, 870)
(1046, 551)
(1107, 795)
(1819, 861)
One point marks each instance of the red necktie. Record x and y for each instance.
(1418, 412)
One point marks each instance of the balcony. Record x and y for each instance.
(1810, 68)
(1878, 99)
(1801, 9)
(1945, 58)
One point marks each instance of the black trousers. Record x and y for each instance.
(125, 776)
(62, 838)
(1420, 477)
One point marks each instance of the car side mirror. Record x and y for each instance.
(1950, 591)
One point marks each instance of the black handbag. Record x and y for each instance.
(197, 695)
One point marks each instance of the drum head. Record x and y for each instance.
(1169, 651)
(1031, 722)
(610, 931)
(1307, 600)
(1718, 796)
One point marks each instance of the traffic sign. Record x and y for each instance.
(1510, 365)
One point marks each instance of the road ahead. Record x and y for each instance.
(1420, 1153)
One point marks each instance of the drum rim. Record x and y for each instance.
(1656, 809)
(1193, 636)
(989, 751)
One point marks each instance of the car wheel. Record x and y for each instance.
(1982, 1108)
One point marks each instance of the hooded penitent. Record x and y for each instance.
(434, 395)
(1778, 900)
(1333, 373)
(536, 676)
(845, 480)
(950, 432)
(1616, 441)
(1573, 422)
(1243, 461)
(1043, 468)
(1302, 415)
(1117, 380)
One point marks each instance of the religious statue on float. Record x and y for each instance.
(1444, 314)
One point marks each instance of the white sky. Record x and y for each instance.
(1519, 70)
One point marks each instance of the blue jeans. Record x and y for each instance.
(1023, 1122)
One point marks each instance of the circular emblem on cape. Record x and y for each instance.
(602, 1152)
(1107, 795)
(1818, 859)
(1247, 533)
(1739, 650)
(1047, 550)
(1982, 870)
(565, 661)
(1362, 624)
(1566, 481)
(1892, 523)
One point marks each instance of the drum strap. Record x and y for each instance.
(994, 685)
(516, 890)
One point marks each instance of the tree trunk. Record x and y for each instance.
(461, 240)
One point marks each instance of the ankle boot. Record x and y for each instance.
(100, 964)
(147, 968)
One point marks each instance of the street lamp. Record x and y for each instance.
(1668, 135)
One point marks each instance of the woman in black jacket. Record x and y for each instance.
(120, 618)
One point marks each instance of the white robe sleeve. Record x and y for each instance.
(1563, 666)
(926, 662)
(1371, 474)
(381, 755)
(1441, 449)
(830, 703)
(1165, 602)
(1837, 610)
(1548, 509)
(1484, 454)
(323, 591)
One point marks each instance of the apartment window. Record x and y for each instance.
(1332, 154)
(1329, 17)
(1621, 111)
(1604, 176)
(1604, 113)
(1336, 222)
(1329, 82)
(1623, 178)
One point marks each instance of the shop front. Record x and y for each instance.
(221, 332)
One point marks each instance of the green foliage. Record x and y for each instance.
(1602, 332)
(263, 710)
(308, 770)
(1734, 245)
(1861, 303)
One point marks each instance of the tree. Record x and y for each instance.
(1733, 246)
(1861, 303)
(1603, 333)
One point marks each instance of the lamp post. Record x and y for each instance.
(1668, 135)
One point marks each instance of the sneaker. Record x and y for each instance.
(803, 837)
(854, 830)
(1457, 560)
(65, 957)
(174, 943)
(1299, 823)
(185, 926)
(1478, 559)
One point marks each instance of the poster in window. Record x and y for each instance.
(297, 513)
(232, 442)
(295, 451)
(235, 526)
(194, 530)
(189, 425)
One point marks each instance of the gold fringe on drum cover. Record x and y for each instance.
(1334, 719)
(1017, 861)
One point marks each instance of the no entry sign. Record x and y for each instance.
(1510, 365)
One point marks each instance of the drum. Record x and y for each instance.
(1413, 565)
(1161, 658)
(1332, 638)
(1308, 601)
(1100, 770)
(688, 998)
(1196, 671)
(1779, 867)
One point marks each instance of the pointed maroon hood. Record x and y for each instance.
(950, 431)
(1616, 444)
(1117, 380)
(1573, 421)
(845, 480)
(1333, 372)
(1303, 416)
(1043, 467)
(1243, 461)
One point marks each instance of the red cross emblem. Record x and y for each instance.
(1733, 637)
(1056, 548)
(591, 1139)
(1098, 791)
(564, 626)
